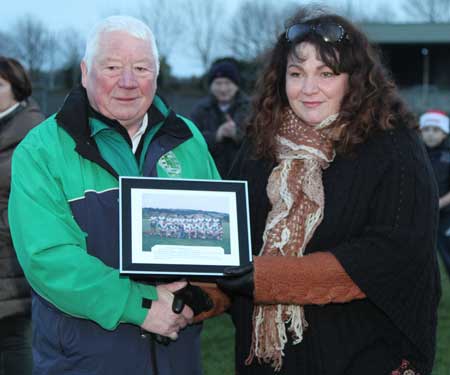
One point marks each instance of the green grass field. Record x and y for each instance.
(218, 346)
(442, 364)
(218, 342)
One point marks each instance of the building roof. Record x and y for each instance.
(408, 33)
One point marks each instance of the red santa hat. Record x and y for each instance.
(435, 118)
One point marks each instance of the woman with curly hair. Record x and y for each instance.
(343, 215)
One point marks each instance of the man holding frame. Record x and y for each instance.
(64, 217)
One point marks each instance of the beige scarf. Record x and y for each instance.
(295, 191)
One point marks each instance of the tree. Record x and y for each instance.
(428, 11)
(375, 12)
(254, 26)
(163, 18)
(33, 44)
(205, 18)
(72, 50)
(350, 9)
(6, 45)
(382, 12)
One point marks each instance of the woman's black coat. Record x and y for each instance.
(380, 221)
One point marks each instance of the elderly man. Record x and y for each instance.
(87, 318)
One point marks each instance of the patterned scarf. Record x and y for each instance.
(295, 191)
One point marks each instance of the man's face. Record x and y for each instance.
(121, 83)
(433, 136)
(223, 89)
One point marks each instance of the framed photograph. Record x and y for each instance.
(180, 227)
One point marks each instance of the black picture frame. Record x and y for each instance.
(147, 204)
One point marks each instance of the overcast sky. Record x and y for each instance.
(82, 14)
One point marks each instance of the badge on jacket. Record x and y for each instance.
(170, 164)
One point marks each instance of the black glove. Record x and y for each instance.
(194, 297)
(238, 281)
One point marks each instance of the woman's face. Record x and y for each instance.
(7, 99)
(314, 92)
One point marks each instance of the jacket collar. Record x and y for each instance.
(19, 108)
(73, 117)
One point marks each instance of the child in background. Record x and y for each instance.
(434, 126)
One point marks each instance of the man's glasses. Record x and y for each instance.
(330, 32)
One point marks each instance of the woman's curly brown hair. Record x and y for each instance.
(371, 103)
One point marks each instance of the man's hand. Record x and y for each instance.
(227, 130)
(160, 317)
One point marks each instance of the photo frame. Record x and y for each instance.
(182, 227)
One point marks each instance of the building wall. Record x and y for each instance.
(406, 62)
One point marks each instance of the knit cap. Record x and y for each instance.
(435, 118)
(224, 69)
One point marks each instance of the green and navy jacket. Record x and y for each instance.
(64, 204)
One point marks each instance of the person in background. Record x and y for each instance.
(220, 116)
(18, 114)
(343, 211)
(434, 126)
(64, 216)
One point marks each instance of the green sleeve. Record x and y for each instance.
(51, 249)
(211, 169)
(214, 173)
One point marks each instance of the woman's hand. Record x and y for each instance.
(238, 281)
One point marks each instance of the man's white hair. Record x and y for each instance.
(127, 24)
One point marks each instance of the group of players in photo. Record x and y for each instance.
(187, 227)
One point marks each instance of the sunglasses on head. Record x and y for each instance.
(329, 31)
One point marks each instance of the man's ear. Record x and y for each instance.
(84, 73)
